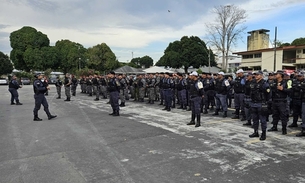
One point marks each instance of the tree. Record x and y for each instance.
(298, 41)
(189, 51)
(26, 39)
(138, 62)
(226, 29)
(69, 55)
(6, 66)
(101, 58)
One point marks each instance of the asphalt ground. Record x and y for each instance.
(143, 145)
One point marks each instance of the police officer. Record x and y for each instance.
(83, 84)
(296, 96)
(181, 88)
(96, 85)
(196, 94)
(260, 94)
(280, 91)
(157, 86)
(247, 99)
(161, 88)
(113, 89)
(239, 94)
(103, 85)
(13, 86)
(210, 93)
(302, 133)
(67, 84)
(122, 90)
(89, 85)
(74, 83)
(151, 88)
(221, 88)
(58, 85)
(141, 87)
(39, 95)
(168, 85)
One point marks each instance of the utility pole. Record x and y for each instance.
(209, 60)
(274, 66)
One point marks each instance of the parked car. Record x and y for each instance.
(25, 81)
(3, 81)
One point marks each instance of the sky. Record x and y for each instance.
(135, 28)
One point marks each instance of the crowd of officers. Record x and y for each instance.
(255, 97)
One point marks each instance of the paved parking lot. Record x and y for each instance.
(144, 144)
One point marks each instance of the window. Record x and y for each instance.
(303, 51)
(247, 56)
(258, 55)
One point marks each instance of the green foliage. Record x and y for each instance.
(25, 75)
(189, 51)
(199, 71)
(6, 66)
(298, 41)
(70, 55)
(27, 41)
(101, 58)
(140, 62)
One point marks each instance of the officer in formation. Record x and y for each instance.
(95, 86)
(89, 85)
(123, 86)
(74, 83)
(260, 95)
(167, 85)
(151, 84)
(103, 86)
(280, 91)
(141, 87)
(13, 87)
(82, 83)
(196, 94)
(297, 95)
(221, 87)
(58, 85)
(67, 84)
(40, 89)
(247, 99)
(181, 91)
(114, 89)
(239, 94)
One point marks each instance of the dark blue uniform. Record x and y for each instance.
(13, 86)
(40, 89)
(279, 103)
(168, 86)
(260, 95)
(196, 92)
(113, 89)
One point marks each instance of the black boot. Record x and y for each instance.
(181, 107)
(152, 102)
(284, 130)
(224, 114)
(189, 108)
(58, 97)
(184, 107)
(273, 128)
(236, 116)
(12, 103)
(255, 134)
(112, 112)
(116, 113)
(205, 111)
(192, 122)
(216, 112)
(164, 109)
(243, 116)
(36, 118)
(248, 123)
(97, 99)
(18, 103)
(302, 133)
(263, 136)
(198, 121)
(161, 103)
(148, 102)
(122, 104)
(68, 99)
(51, 117)
(294, 124)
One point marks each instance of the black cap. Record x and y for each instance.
(166, 73)
(259, 72)
(271, 74)
(112, 72)
(37, 74)
(249, 73)
(179, 74)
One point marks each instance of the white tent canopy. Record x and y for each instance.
(156, 69)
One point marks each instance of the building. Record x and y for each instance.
(233, 63)
(288, 57)
(260, 57)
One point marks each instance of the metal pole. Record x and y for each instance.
(274, 66)
(79, 64)
(209, 59)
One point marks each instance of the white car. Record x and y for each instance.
(3, 81)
